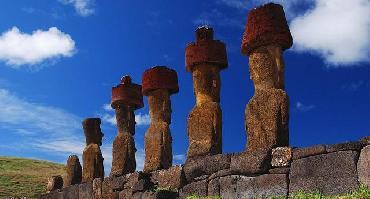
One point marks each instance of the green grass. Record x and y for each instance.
(26, 177)
(362, 193)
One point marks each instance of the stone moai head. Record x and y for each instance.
(159, 83)
(126, 97)
(92, 131)
(266, 36)
(204, 59)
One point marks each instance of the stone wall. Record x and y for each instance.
(331, 169)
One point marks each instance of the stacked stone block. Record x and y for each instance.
(267, 114)
(158, 84)
(205, 58)
(126, 97)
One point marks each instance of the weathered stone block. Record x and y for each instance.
(172, 178)
(97, 188)
(280, 170)
(118, 183)
(221, 173)
(269, 185)
(126, 194)
(251, 162)
(299, 153)
(365, 141)
(363, 166)
(71, 192)
(134, 178)
(348, 146)
(228, 186)
(159, 195)
(199, 188)
(206, 165)
(86, 190)
(281, 156)
(214, 187)
(107, 191)
(52, 195)
(332, 174)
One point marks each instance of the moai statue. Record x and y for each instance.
(74, 171)
(54, 183)
(126, 97)
(158, 84)
(205, 58)
(92, 157)
(267, 35)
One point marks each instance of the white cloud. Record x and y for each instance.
(17, 48)
(304, 108)
(337, 30)
(82, 7)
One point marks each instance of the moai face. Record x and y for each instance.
(207, 83)
(92, 131)
(263, 69)
(160, 105)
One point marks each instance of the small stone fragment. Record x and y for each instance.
(281, 156)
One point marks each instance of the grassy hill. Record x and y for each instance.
(26, 177)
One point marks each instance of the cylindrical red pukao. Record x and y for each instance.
(266, 25)
(127, 93)
(205, 50)
(159, 77)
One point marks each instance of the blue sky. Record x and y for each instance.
(60, 58)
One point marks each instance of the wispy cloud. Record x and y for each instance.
(17, 48)
(83, 7)
(109, 117)
(304, 108)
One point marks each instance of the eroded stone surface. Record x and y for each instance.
(363, 166)
(123, 155)
(71, 192)
(172, 178)
(255, 162)
(54, 183)
(332, 173)
(299, 153)
(199, 188)
(206, 165)
(73, 170)
(86, 190)
(97, 188)
(348, 146)
(92, 157)
(267, 116)
(281, 156)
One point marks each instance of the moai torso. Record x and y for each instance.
(126, 97)
(158, 84)
(204, 59)
(92, 157)
(267, 113)
(74, 171)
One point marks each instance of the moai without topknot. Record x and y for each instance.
(266, 36)
(158, 84)
(74, 171)
(205, 58)
(92, 157)
(126, 98)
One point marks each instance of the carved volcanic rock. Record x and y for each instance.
(160, 77)
(205, 130)
(124, 155)
(267, 120)
(54, 183)
(127, 93)
(74, 171)
(205, 50)
(266, 25)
